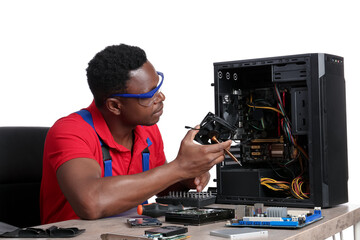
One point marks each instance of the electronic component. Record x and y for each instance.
(198, 216)
(277, 217)
(167, 231)
(211, 126)
(109, 236)
(156, 209)
(242, 233)
(143, 222)
(160, 233)
(188, 199)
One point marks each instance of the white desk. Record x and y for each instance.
(335, 220)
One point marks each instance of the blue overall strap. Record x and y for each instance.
(146, 156)
(146, 159)
(86, 115)
(107, 161)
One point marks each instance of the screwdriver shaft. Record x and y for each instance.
(227, 151)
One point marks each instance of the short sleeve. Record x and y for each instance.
(70, 138)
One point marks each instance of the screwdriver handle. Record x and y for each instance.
(157, 209)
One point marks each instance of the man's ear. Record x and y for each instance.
(113, 105)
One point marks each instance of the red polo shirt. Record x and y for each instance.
(71, 137)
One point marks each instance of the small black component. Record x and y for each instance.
(214, 126)
(167, 231)
(51, 232)
(156, 210)
(143, 222)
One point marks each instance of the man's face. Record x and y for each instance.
(142, 80)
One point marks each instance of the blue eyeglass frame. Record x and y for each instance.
(142, 95)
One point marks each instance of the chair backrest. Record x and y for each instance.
(21, 151)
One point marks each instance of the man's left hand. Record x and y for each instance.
(201, 181)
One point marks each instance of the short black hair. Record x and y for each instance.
(108, 72)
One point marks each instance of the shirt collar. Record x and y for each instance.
(104, 132)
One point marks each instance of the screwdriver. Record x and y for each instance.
(157, 209)
(227, 151)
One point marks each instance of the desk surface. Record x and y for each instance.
(335, 220)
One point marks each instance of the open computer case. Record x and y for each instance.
(290, 118)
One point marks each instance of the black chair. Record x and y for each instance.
(21, 151)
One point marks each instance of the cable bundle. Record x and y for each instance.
(275, 185)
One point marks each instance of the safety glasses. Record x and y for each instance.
(145, 99)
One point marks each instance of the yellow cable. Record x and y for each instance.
(269, 108)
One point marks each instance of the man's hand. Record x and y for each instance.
(198, 183)
(202, 181)
(195, 160)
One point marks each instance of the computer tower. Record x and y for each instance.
(290, 116)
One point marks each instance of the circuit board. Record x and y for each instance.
(278, 217)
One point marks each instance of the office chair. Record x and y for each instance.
(21, 151)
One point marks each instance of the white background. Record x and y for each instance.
(45, 47)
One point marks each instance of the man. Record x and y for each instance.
(127, 105)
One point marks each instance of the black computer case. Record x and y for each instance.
(290, 115)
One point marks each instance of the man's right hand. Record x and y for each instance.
(195, 159)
